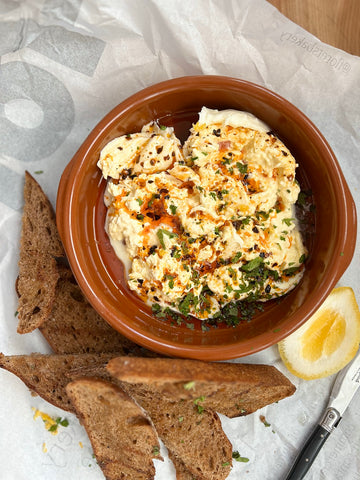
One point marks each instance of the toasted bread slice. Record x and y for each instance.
(39, 232)
(193, 435)
(38, 276)
(122, 436)
(39, 245)
(48, 375)
(74, 326)
(232, 389)
(182, 473)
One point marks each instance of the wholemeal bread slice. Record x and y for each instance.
(39, 231)
(192, 434)
(38, 276)
(74, 326)
(39, 245)
(122, 436)
(48, 375)
(232, 389)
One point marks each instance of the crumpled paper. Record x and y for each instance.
(64, 65)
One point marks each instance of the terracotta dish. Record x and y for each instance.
(81, 217)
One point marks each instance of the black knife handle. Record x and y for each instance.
(308, 453)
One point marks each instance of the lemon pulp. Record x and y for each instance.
(327, 341)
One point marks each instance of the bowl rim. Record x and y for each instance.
(65, 221)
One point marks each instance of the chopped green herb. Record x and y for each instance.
(184, 305)
(38, 172)
(242, 167)
(173, 209)
(140, 202)
(236, 456)
(236, 257)
(189, 385)
(156, 450)
(302, 258)
(140, 216)
(225, 464)
(253, 264)
(213, 195)
(63, 423)
(263, 420)
(162, 127)
(290, 271)
(199, 399)
(288, 221)
(156, 309)
(160, 234)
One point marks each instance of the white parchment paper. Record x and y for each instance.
(64, 65)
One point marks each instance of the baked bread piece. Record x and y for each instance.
(193, 436)
(232, 389)
(48, 375)
(122, 436)
(74, 326)
(39, 231)
(38, 276)
(39, 245)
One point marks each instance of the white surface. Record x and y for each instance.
(74, 61)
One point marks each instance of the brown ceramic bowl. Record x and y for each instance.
(81, 217)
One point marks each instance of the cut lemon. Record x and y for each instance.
(327, 341)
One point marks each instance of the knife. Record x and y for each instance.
(346, 384)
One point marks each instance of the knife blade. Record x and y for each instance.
(345, 386)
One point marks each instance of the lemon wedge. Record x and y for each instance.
(328, 341)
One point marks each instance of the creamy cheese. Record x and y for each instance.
(234, 118)
(208, 223)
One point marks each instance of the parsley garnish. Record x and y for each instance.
(288, 221)
(250, 266)
(236, 456)
(236, 257)
(213, 195)
(160, 234)
(189, 385)
(242, 167)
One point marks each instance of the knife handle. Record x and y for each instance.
(313, 445)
